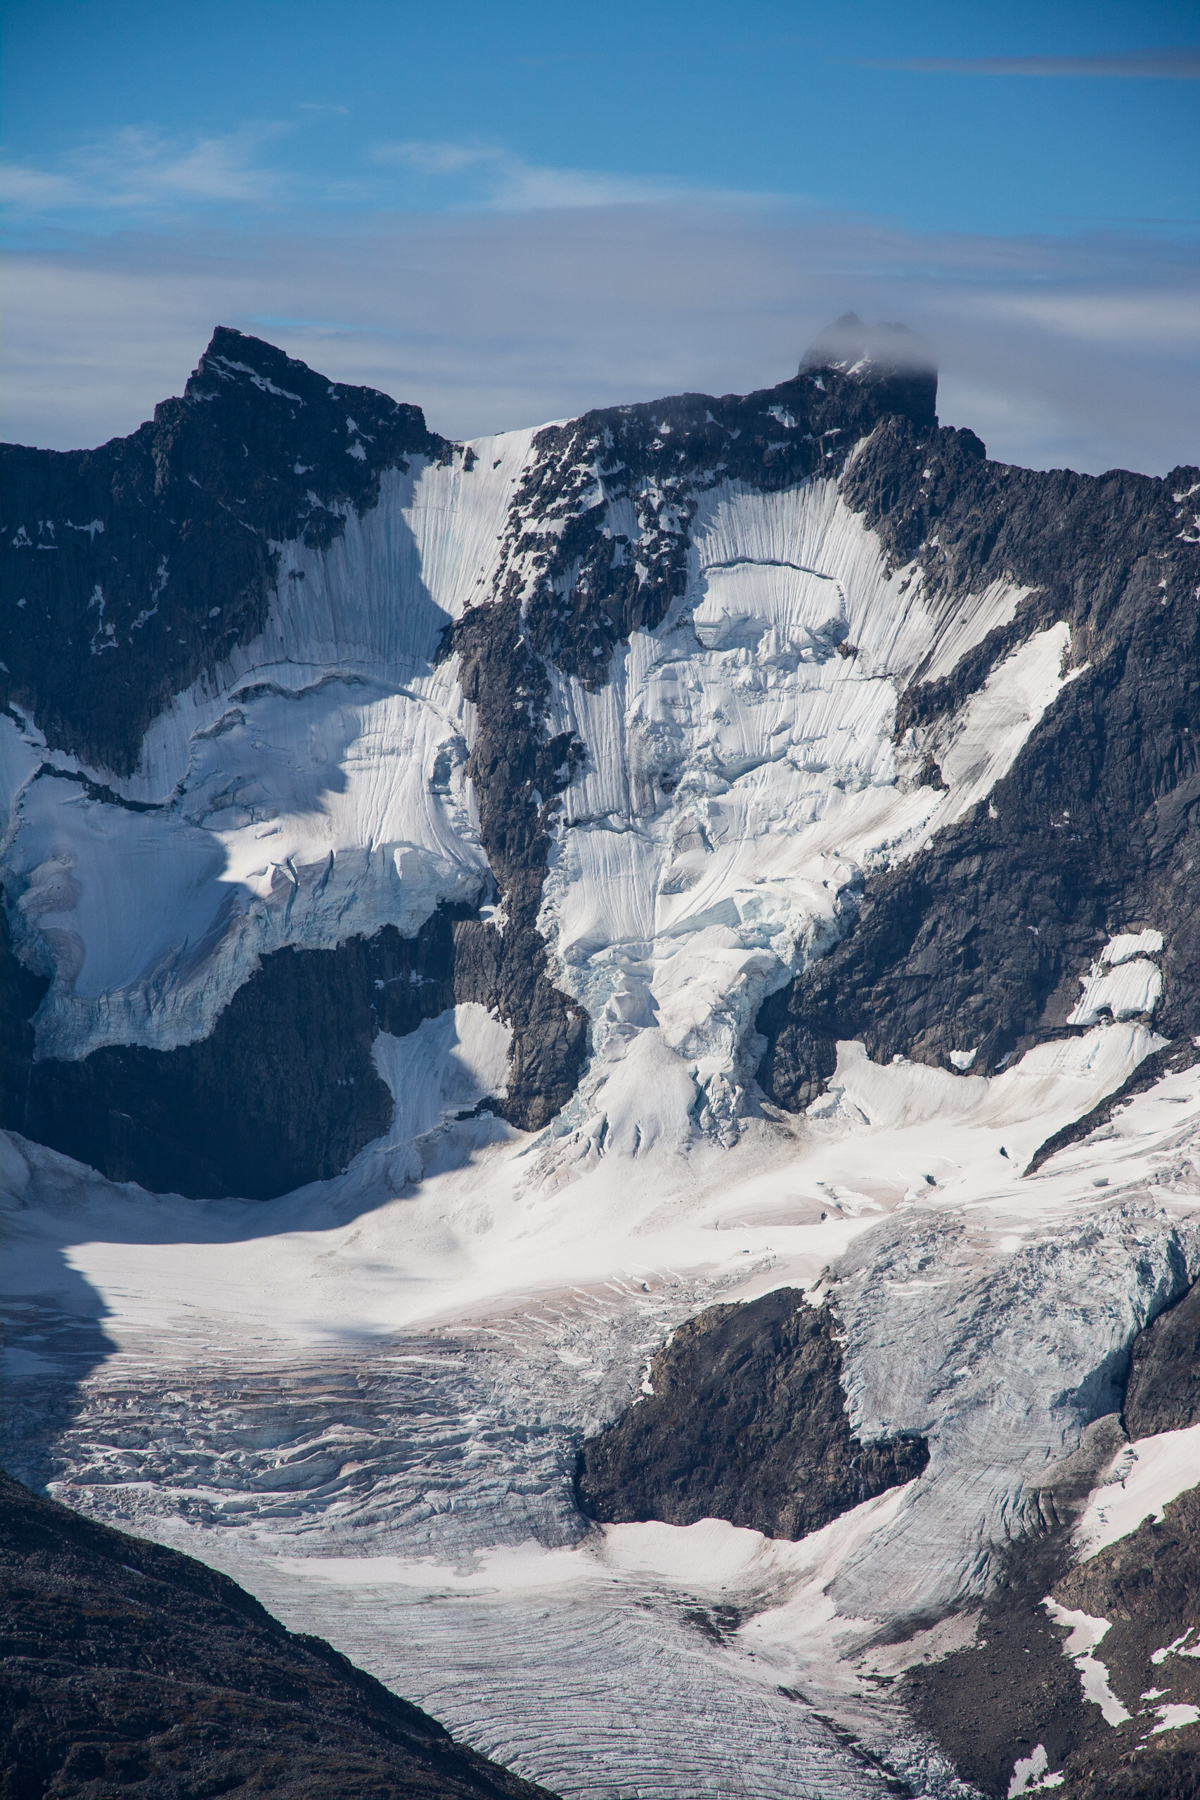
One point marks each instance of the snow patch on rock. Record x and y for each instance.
(1144, 1478)
(1122, 981)
(1086, 1634)
(446, 1066)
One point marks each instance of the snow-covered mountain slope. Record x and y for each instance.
(496, 900)
(668, 686)
(312, 790)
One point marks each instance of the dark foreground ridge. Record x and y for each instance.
(130, 1669)
(1013, 1689)
(747, 1422)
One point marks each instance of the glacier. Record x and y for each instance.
(363, 1399)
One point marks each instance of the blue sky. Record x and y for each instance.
(604, 201)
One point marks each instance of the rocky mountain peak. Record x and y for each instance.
(885, 356)
(150, 559)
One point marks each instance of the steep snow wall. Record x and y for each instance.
(743, 774)
(315, 791)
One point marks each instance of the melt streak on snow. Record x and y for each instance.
(742, 778)
(319, 792)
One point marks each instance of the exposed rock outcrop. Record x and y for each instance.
(1013, 1696)
(130, 1668)
(1163, 1391)
(1169, 1061)
(284, 1091)
(518, 773)
(992, 1705)
(748, 1422)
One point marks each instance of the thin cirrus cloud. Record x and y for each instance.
(496, 178)
(140, 169)
(1170, 62)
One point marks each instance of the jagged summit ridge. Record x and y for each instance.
(139, 567)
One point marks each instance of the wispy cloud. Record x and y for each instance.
(140, 169)
(1170, 62)
(142, 173)
(499, 179)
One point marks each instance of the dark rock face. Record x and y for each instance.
(282, 1092)
(994, 1702)
(747, 1422)
(518, 773)
(979, 939)
(1148, 1586)
(1163, 1391)
(1014, 1689)
(129, 1668)
(132, 569)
